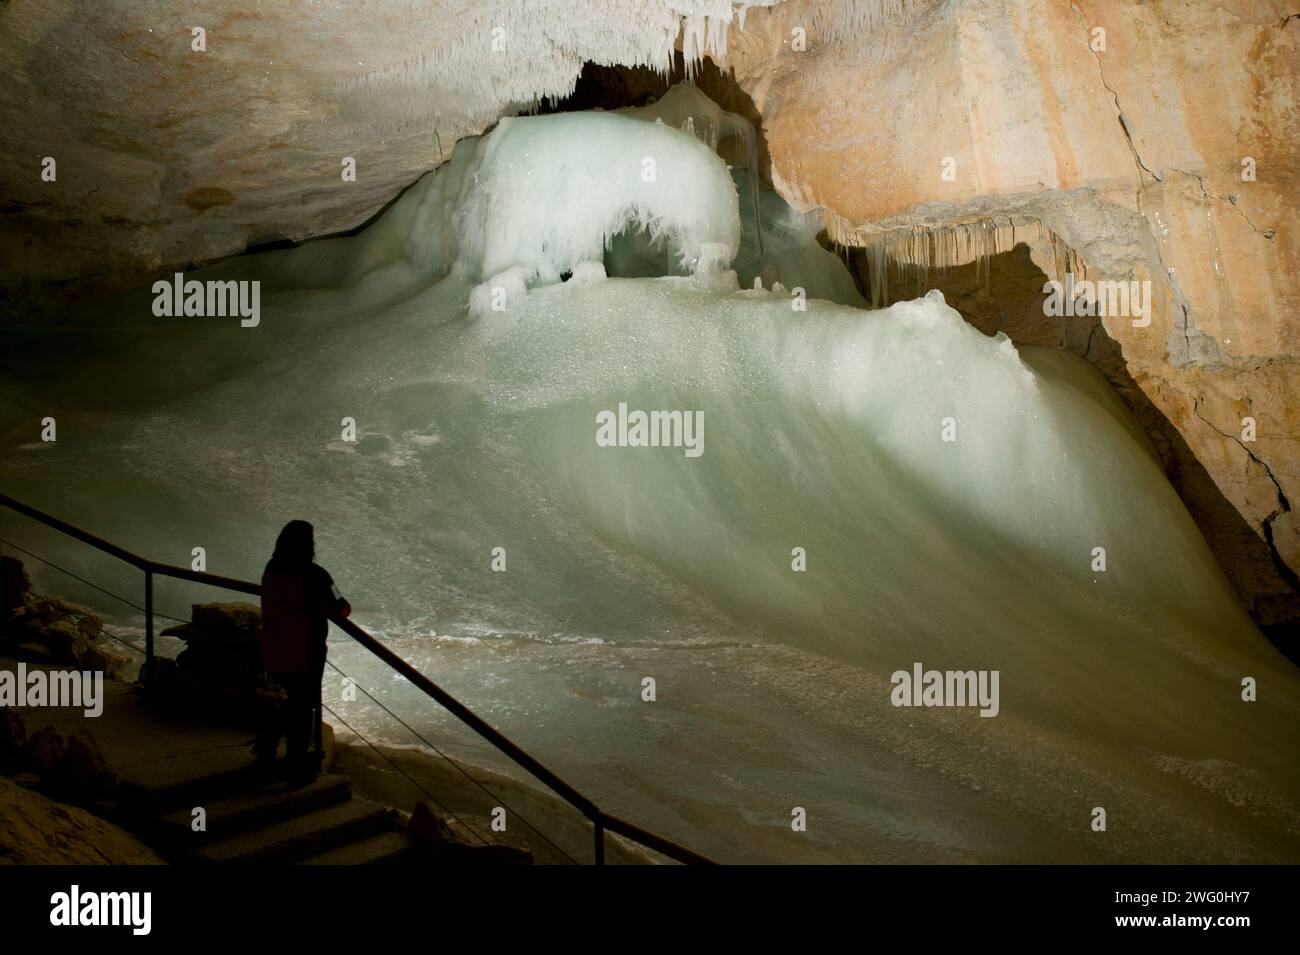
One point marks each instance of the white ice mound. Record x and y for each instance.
(548, 193)
(529, 202)
(730, 135)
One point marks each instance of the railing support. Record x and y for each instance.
(319, 756)
(148, 630)
(601, 820)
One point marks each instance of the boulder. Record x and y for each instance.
(13, 740)
(434, 829)
(183, 631)
(114, 660)
(164, 677)
(220, 669)
(86, 618)
(90, 626)
(57, 631)
(32, 650)
(85, 771)
(24, 622)
(220, 618)
(446, 837)
(65, 641)
(39, 831)
(46, 751)
(15, 582)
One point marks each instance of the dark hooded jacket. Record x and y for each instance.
(298, 598)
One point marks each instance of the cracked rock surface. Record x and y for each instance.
(1130, 132)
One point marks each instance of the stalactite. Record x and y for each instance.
(926, 248)
(842, 20)
(511, 55)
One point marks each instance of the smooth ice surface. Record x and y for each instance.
(823, 430)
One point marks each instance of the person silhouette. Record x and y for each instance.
(298, 598)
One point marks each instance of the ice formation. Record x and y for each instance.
(685, 107)
(788, 254)
(924, 248)
(540, 198)
(949, 490)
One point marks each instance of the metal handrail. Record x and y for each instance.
(601, 820)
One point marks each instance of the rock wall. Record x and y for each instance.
(39, 831)
(1109, 136)
(166, 156)
(174, 148)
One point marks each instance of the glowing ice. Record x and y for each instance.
(545, 199)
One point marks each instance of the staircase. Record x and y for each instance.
(246, 821)
(320, 823)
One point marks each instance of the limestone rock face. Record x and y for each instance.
(40, 831)
(168, 156)
(1136, 141)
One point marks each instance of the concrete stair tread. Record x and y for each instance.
(300, 836)
(268, 804)
(375, 850)
(180, 780)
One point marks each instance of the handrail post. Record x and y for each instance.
(319, 756)
(600, 820)
(148, 629)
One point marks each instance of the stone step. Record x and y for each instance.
(384, 848)
(301, 836)
(251, 810)
(185, 781)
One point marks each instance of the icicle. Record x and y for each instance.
(923, 249)
(547, 42)
(843, 20)
(689, 109)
